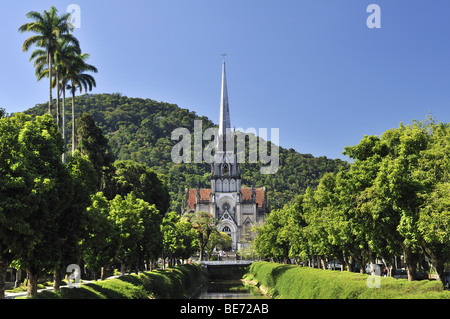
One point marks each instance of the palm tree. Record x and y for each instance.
(79, 79)
(48, 28)
(67, 55)
(42, 70)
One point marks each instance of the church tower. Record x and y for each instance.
(225, 173)
(236, 208)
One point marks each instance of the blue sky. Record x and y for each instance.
(311, 68)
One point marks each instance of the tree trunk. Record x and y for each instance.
(349, 267)
(3, 267)
(63, 128)
(73, 120)
(362, 262)
(50, 62)
(438, 266)
(389, 267)
(58, 111)
(410, 262)
(32, 282)
(437, 263)
(122, 269)
(323, 262)
(102, 273)
(56, 278)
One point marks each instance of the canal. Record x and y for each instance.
(230, 289)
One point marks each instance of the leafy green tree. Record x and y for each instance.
(172, 241)
(151, 244)
(218, 240)
(270, 241)
(93, 143)
(129, 176)
(49, 28)
(126, 215)
(189, 239)
(16, 194)
(321, 218)
(294, 230)
(34, 184)
(397, 190)
(204, 224)
(99, 244)
(69, 229)
(360, 211)
(434, 218)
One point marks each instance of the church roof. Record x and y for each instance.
(191, 196)
(260, 195)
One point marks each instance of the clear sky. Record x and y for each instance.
(311, 68)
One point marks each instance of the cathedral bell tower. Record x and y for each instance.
(225, 173)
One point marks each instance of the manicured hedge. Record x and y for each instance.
(296, 282)
(178, 282)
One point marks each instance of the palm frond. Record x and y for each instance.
(35, 39)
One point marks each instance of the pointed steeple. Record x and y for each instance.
(224, 120)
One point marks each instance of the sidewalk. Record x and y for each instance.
(13, 295)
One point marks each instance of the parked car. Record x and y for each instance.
(400, 273)
(334, 266)
(421, 275)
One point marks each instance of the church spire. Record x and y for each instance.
(224, 120)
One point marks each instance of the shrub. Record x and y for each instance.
(178, 282)
(296, 282)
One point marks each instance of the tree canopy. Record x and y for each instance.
(391, 201)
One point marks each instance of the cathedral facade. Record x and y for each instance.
(236, 208)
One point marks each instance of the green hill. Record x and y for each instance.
(140, 130)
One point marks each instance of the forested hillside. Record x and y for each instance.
(140, 130)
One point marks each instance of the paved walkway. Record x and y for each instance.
(13, 295)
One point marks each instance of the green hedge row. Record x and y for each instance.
(296, 282)
(172, 283)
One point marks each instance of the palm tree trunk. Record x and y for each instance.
(58, 111)
(64, 122)
(73, 120)
(50, 62)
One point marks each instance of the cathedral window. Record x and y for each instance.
(226, 230)
(225, 169)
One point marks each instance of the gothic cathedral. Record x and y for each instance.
(237, 208)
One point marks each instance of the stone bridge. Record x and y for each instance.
(227, 269)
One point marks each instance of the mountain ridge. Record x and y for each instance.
(140, 130)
